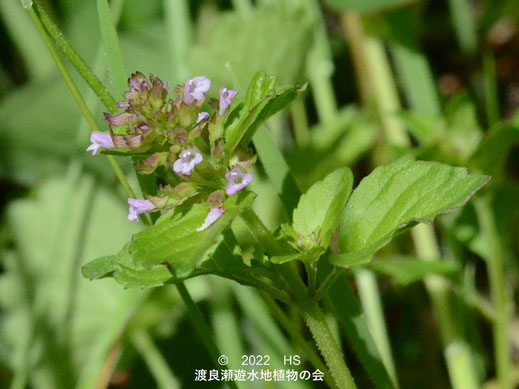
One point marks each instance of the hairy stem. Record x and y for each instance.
(73, 56)
(314, 319)
(297, 338)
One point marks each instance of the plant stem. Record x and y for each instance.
(154, 359)
(328, 282)
(311, 312)
(201, 327)
(498, 287)
(300, 121)
(79, 100)
(288, 326)
(77, 61)
(271, 246)
(326, 343)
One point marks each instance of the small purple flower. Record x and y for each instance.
(237, 180)
(100, 140)
(137, 207)
(187, 161)
(226, 97)
(213, 215)
(195, 89)
(202, 116)
(123, 104)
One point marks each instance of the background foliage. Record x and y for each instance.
(444, 74)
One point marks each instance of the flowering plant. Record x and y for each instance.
(207, 158)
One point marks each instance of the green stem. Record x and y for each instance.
(271, 246)
(79, 99)
(326, 343)
(201, 326)
(297, 338)
(300, 121)
(154, 359)
(498, 287)
(328, 282)
(77, 61)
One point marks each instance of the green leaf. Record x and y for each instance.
(309, 255)
(367, 5)
(492, 153)
(174, 238)
(319, 210)
(261, 102)
(405, 271)
(100, 267)
(395, 197)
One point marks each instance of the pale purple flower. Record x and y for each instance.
(195, 89)
(100, 140)
(202, 116)
(137, 207)
(187, 161)
(226, 97)
(213, 215)
(237, 180)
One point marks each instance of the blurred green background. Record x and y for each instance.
(455, 69)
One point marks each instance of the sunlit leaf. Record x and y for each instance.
(395, 197)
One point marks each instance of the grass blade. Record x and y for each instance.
(113, 51)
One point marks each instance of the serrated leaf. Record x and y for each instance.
(319, 209)
(261, 102)
(405, 271)
(395, 197)
(151, 277)
(100, 267)
(175, 240)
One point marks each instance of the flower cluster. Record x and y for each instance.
(178, 143)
